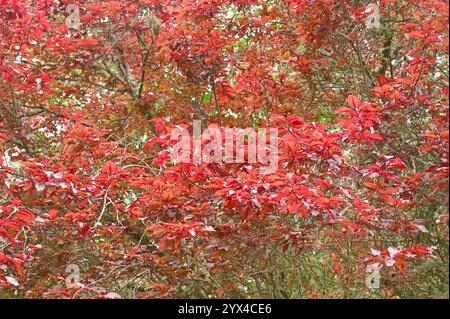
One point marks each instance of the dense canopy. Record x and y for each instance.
(92, 205)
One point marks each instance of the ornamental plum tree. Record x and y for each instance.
(89, 98)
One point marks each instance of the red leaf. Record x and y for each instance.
(353, 101)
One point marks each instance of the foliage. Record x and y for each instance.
(86, 178)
